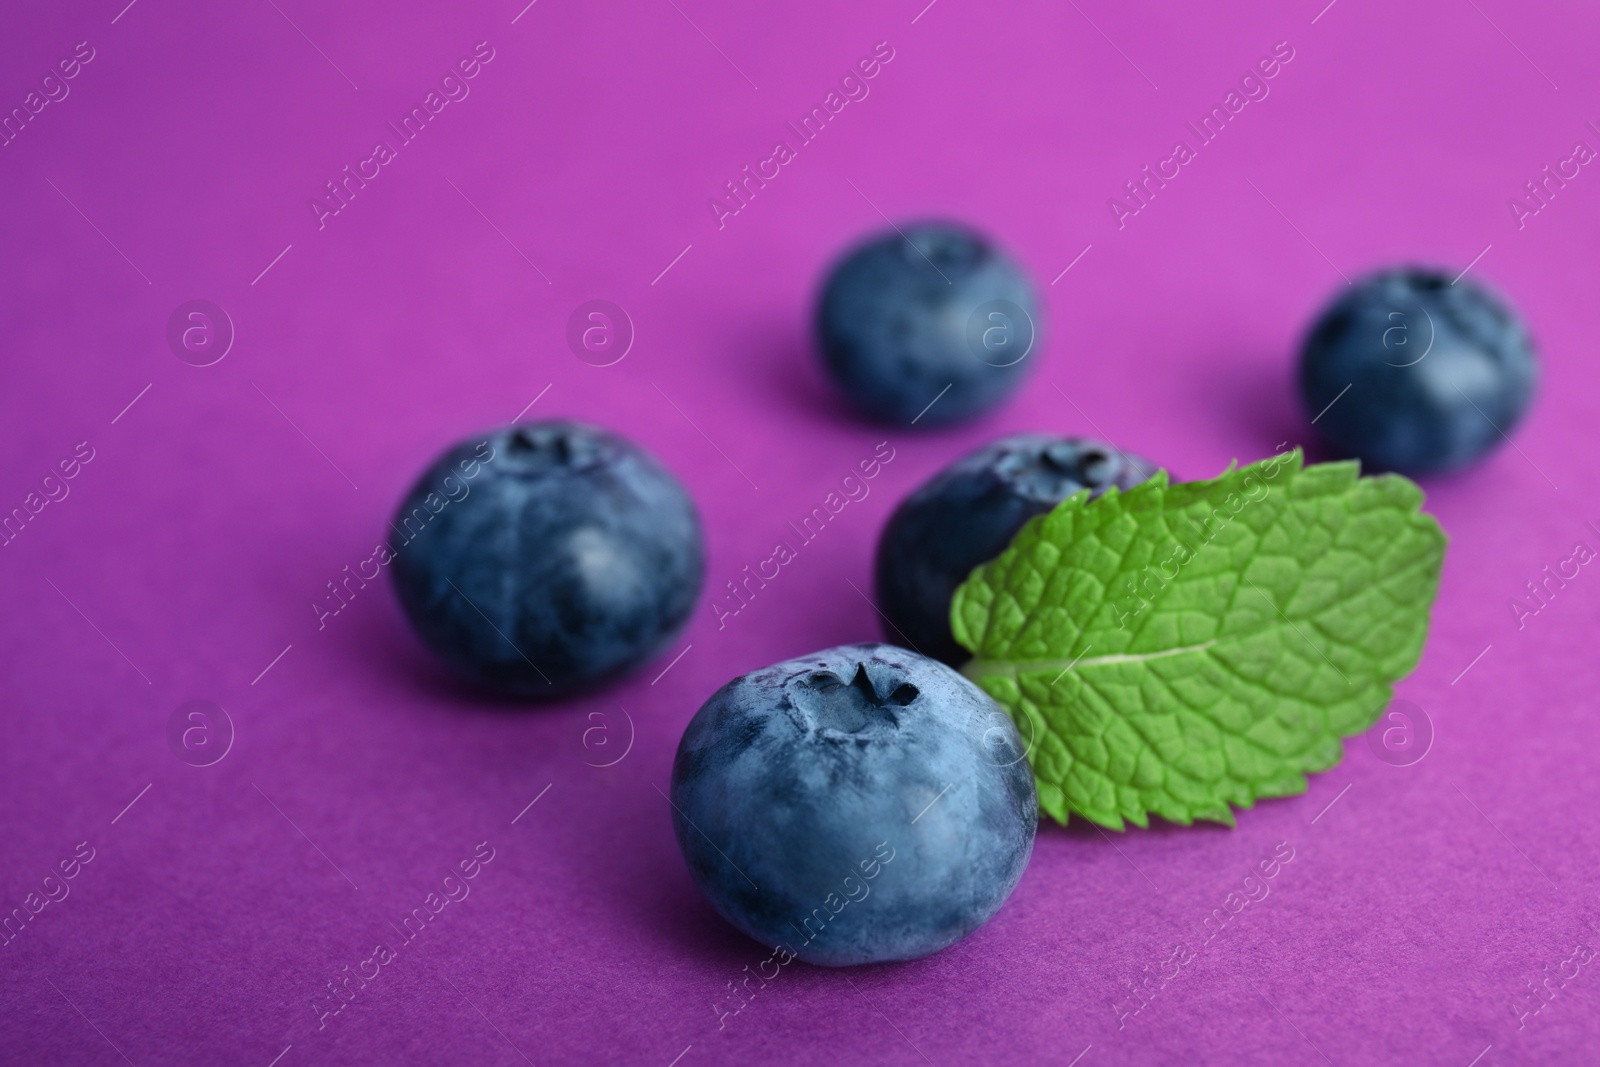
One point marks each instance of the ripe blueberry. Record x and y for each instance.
(1412, 373)
(858, 805)
(968, 513)
(906, 315)
(546, 556)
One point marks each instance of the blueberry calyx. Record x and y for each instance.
(943, 249)
(1059, 469)
(834, 705)
(543, 448)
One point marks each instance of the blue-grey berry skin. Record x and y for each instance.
(968, 513)
(859, 805)
(545, 557)
(904, 315)
(1437, 373)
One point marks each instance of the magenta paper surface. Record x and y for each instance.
(225, 469)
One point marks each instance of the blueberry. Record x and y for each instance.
(543, 557)
(858, 805)
(904, 316)
(968, 513)
(1436, 372)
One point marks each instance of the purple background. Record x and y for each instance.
(185, 560)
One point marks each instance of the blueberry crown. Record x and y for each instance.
(831, 703)
(546, 447)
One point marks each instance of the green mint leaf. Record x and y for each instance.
(1181, 650)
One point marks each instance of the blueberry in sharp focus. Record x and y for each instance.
(858, 805)
(906, 315)
(539, 558)
(1410, 372)
(968, 513)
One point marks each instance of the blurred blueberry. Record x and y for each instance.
(858, 805)
(542, 557)
(1435, 371)
(968, 513)
(902, 317)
